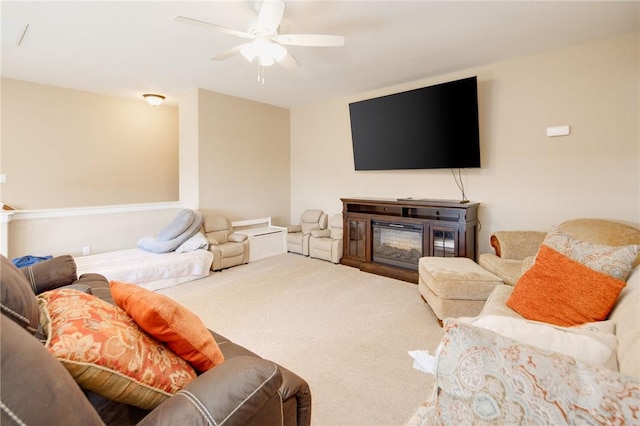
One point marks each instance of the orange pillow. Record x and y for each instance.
(561, 291)
(169, 322)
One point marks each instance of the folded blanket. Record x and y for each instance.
(153, 244)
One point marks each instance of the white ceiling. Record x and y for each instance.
(128, 48)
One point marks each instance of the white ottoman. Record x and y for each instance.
(454, 286)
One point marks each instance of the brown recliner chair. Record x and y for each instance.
(229, 248)
(36, 389)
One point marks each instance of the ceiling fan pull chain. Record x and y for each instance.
(260, 73)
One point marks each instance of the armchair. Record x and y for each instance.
(228, 248)
(515, 251)
(298, 235)
(326, 244)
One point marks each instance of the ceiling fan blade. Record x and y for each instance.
(270, 15)
(289, 62)
(228, 53)
(210, 26)
(317, 40)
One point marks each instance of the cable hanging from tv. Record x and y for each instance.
(458, 179)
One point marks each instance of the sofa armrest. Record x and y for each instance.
(98, 284)
(517, 245)
(236, 238)
(50, 274)
(231, 393)
(294, 228)
(321, 233)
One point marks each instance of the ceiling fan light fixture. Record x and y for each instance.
(153, 99)
(266, 60)
(278, 52)
(264, 49)
(249, 52)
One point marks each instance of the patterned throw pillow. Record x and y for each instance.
(616, 261)
(169, 322)
(107, 353)
(572, 281)
(484, 378)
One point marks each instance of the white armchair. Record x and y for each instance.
(298, 235)
(327, 244)
(228, 248)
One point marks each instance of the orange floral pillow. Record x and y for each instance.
(107, 353)
(561, 291)
(171, 323)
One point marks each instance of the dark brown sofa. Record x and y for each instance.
(36, 389)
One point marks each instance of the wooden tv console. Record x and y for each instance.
(449, 229)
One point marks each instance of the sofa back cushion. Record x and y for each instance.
(217, 228)
(336, 225)
(36, 388)
(600, 231)
(18, 300)
(313, 219)
(311, 216)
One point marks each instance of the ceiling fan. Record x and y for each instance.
(266, 44)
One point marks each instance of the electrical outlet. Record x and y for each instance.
(86, 250)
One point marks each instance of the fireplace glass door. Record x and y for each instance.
(397, 244)
(443, 242)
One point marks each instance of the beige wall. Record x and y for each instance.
(66, 148)
(527, 180)
(248, 160)
(233, 159)
(243, 158)
(101, 232)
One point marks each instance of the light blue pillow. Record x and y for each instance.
(152, 244)
(178, 225)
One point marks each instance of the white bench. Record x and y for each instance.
(265, 239)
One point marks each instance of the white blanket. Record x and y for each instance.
(149, 270)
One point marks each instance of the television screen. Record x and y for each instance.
(428, 128)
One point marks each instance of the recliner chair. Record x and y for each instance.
(229, 248)
(326, 244)
(298, 235)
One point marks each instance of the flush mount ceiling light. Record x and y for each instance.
(153, 99)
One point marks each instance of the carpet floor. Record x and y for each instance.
(346, 332)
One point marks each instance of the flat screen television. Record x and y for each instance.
(432, 127)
